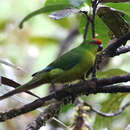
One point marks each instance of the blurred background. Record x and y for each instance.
(32, 48)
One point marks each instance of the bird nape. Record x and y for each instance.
(71, 66)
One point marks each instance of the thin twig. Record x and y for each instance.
(52, 111)
(14, 84)
(11, 65)
(109, 114)
(87, 24)
(68, 94)
(93, 18)
(94, 7)
(86, 30)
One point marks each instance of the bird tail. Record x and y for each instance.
(29, 85)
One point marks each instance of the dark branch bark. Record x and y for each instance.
(122, 51)
(69, 93)
(111, 49)
(87, 24)
(94, 6)
(50, 112)
(14, 84)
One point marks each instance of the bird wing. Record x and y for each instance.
(65, 62)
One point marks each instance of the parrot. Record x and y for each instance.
(71, 66)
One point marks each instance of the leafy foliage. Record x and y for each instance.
(101, 30)
(46, 9)
(112, 104)
(55, 2)
(26, 53)
(125, 7)
(110, 73)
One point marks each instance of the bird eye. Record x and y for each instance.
(100, 47)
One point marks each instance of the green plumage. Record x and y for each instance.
(71, 66)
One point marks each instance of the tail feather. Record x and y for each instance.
(30, 85)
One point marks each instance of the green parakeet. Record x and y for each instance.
(71, 66)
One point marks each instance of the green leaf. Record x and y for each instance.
(66, 108)
(100, 28)
(65, 23)
(114, 19)
(112, 104)
(110, 73)
(88, 2)
(127, 18)
(121, 6)
(46, 9)
(55, 2)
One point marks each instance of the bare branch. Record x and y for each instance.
(110, 49)
(109, 114)
(87, 24)
(14, 84)
(69, 93)
(94, 6)
(10, 65)
(122, 50)
(52, 111)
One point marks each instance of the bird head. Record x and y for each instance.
(97, 42)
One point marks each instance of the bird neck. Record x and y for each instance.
(91, 47)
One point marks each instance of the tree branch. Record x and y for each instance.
(122, 50)
(94, 6)
(109, 114)
(14, 84)
(110, 49)
(87, 24)
(51, 111)
(69, 93)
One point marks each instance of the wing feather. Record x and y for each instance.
(65, 62)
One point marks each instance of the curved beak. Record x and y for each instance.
(100, 47)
